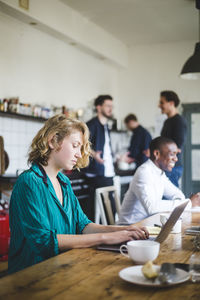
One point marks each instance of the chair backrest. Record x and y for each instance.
(103, 201)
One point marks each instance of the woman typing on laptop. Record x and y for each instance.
(45, 215)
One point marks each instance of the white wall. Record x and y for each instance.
(41, 69)
(151, 69)
(62, 21)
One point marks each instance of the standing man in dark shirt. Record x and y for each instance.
(100, 171)
(139, 144)
(174, 128)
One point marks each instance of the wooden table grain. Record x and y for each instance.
(92, 274)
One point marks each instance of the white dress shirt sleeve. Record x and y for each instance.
(170, 190)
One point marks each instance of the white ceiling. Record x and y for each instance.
(137, 22)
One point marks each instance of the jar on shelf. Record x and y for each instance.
(37, 111)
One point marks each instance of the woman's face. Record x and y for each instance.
(69, 151)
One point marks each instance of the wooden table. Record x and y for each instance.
(91, 274)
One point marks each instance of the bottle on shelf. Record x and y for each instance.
(1, 105)
(5, 104)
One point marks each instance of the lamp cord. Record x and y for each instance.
(199, 25)
(198, 7)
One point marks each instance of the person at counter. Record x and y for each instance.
(138, 150)
(45, 215)
(174, 128)
(150, 184)
(100, 171)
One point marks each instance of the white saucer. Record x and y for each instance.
(134, 275)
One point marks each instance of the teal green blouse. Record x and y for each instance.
(37, 216)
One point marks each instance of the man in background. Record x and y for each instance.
(138, 150)
(174, 128)
(149, 184)
(100, 171)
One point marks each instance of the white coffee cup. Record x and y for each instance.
(164, 218)
(141, 251)
(177, 227)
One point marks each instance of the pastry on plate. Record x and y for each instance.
(149, 270)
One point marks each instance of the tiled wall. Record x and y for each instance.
(17, 135)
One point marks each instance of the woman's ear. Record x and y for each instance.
(51, 145)
(51, 142)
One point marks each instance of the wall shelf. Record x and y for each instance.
(6, 114)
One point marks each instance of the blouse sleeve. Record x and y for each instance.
(27, 210)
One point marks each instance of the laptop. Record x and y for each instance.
(161, 237)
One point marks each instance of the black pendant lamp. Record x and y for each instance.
(191, 69)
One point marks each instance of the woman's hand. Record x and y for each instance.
(96, 234)
(141, 231)
(129, 234)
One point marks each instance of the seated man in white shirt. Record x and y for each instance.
(150, 184)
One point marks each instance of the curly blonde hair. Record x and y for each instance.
(57, 128)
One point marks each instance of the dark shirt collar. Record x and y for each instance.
(103, 125)
(137, 128)
(175, 116)
(40, 172)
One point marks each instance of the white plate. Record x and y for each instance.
(135, 275)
